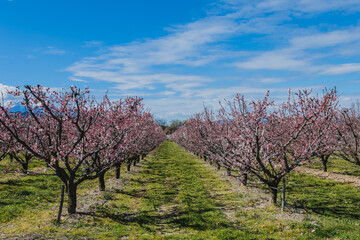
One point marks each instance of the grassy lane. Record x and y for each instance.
(337, 165)
(174, 195)
(174, 199)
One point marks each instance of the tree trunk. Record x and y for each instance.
(273, 186)
(71, 204)
(25, 167)
(102, 181)
(117, 170)
(129, 166)
(61, 204)
(324, 161)
(228, 171)
(273, 196)
(244, 178)
(218, 166)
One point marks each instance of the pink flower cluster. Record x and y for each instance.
(76, 136)
(262, 140)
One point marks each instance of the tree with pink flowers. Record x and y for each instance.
(265, 140)
(348, 129)
(73, 134)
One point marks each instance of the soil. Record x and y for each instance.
(259, 196)
(355, 181)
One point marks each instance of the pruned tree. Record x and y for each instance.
(348, 129)
(73, 134)
(261, 139)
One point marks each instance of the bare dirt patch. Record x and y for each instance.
(258, 198)
(355, 181)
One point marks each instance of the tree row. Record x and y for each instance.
(265, 140)
(77, 137)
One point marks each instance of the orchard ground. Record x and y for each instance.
(174, 195)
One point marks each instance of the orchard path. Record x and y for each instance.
(353, 180)
(180, 196)
(169, 195)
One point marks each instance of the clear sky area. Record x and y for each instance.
(181, 54)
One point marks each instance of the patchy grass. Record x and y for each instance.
(335, 206)
(337, 165)
(26, 195)
(12, 169)
(173, 195)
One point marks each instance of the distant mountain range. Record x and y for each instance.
(18, 108)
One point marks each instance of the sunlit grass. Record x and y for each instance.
(338, 165)
(172, 195)
(26, 194)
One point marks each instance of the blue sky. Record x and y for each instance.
(181, 54)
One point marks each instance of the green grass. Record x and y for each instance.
(26, 194)
(173, 195)
(34, 165)
(324, 197)
(337, 165)
(336, 205)
(22, 194)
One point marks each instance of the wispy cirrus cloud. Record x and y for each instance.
(49, 50)
(246, 38)
(342, 69)
(74, 79)
(53, 51)
(284, 59)
(93, 43)
(294, 7)
(302, 51)
(183, 107)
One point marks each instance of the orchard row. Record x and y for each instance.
(264, 141)
(76, 137)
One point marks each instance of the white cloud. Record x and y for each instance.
(294, 7)
(328, 39)
(275, 60)
(50, 50)
(342, 69)
(348, 100)
(271, 80)
(53, 51)
(6, 98)
(327, 5)
(93, 43)
(302, 50)
(177, 107)
(77, 79)
(168, 66)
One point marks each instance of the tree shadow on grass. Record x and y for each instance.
(324, 197)
(323, 208)
(138, 193)
(10, 183)
(197, 219)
